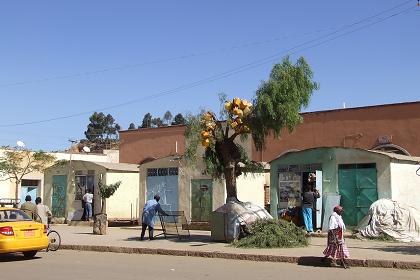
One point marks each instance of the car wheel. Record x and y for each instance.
(29, 254)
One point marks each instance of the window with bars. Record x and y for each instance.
(171, 171)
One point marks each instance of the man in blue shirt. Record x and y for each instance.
(149, 211)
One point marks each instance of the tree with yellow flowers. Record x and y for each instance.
(276, 105)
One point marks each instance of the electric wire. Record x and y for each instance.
(298, 48)
(182, 57)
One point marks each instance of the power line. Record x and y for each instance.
(298, 48)
(182, 57)
(158, 61)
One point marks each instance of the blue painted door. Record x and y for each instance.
(167, 188)
(59, 192)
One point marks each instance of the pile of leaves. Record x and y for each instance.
(273, 234)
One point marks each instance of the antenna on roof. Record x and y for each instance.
(344, 105)
(20, 144)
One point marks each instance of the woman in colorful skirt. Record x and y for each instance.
(336, 248)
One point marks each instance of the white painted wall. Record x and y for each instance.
(405, 183)
(127, 195)
(251, 188)
(112, 157)
(7, 188)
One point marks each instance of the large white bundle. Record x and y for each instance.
(397, 220)
(239, 214)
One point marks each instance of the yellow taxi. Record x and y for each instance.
(19, 233)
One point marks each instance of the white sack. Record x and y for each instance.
(397, 220)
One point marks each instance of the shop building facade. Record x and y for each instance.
(67, 182)
(355, 178)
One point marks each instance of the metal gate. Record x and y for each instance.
(59, 191)
(357, 184)
(201, 200)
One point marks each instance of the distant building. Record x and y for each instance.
(33, 184)
(391, 128)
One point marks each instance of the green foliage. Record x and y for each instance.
(16, 163)
(214, 165)
(279, 100)
(223, 114)
(179, 119)
(247, 166)
(157, 122)
(147, 121)
(273, 234)
(277, 105)
(167, 117)
(131, 126)
(192, 135)
(61, 162)
(107, 191)
(102, 131)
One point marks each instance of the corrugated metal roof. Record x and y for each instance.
(390, 155)
(119, 166)
(397, 156)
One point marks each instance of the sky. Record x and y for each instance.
(62, 60)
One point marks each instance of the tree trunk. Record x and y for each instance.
(227, 152)
(17, 183)
(100, 224)
(230, 179)
(103, 209)
(100, 221)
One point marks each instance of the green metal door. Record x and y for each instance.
(201, 200)
(357, 184)
(59, 195)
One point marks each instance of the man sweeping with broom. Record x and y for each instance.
(336, 248)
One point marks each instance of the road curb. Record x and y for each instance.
(305, 260)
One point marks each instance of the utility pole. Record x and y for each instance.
(70, 180)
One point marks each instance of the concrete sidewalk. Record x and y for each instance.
(126, 240)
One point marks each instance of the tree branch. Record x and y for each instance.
(226, 131)
(233, 136)
(8, 178)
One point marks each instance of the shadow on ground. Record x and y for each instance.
(203, 240)
(316, 262)
(15, 258)
(405, 250)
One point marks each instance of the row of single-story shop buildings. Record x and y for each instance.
(358, 154)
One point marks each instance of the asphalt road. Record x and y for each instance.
(94, 265)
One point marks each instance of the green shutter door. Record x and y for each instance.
(59, 195)
(201, 200)
(357, 185)
(367, 191)
(347, 190)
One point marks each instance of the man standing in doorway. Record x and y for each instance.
(88, 198)
(308, 201)
(149, 211)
